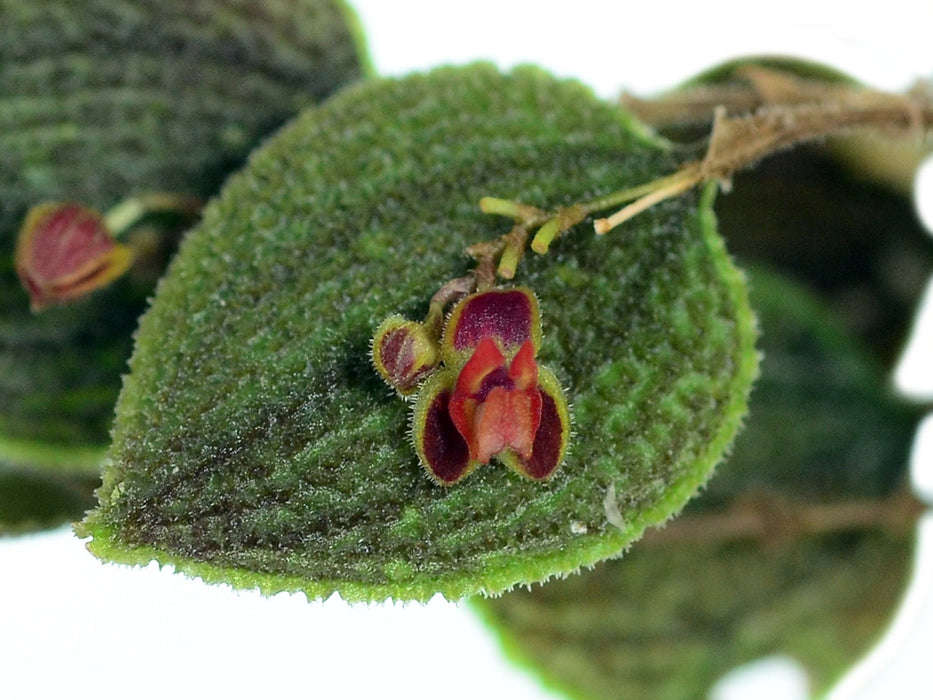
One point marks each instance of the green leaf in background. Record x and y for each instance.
(107, 99)
(747, 83)
(255, 444)
(31, 501)
(859, 246)
(800, 546)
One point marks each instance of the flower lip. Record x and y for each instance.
(491, 410)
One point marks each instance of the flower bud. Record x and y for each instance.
(404, 353)
(64, 251)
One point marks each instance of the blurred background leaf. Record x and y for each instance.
(31, 500)
(106, 99)
(856, 245)
(838, 216)
(800, 546)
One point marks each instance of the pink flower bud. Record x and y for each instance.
(64, 251)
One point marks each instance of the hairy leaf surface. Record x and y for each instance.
(786, 553)
(254, 442)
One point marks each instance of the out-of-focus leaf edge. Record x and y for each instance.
(358, 36)
(53, 459)
(515, 650)
(31, 502)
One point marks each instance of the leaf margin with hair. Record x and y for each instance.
(708, 606)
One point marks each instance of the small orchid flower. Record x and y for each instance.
(65, 251)
(496, 404)
(491, 399)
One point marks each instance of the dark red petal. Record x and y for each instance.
(509, 316)
(546, 453)
(441, 448)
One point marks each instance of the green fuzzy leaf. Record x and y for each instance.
(686, 606)
(254, 442)
(106, 99)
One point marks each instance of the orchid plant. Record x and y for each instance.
(562, 396)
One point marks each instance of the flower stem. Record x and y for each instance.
(123, 216)
(664, 188)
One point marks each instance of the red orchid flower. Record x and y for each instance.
(496, 405)
(491, 399)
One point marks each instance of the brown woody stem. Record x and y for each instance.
(774, 519)
(789, 111)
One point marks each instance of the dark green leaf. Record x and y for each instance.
(859, 246)
(30, 500)
(665, 624)
(255, 444)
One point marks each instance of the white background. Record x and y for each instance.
(72, 627)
